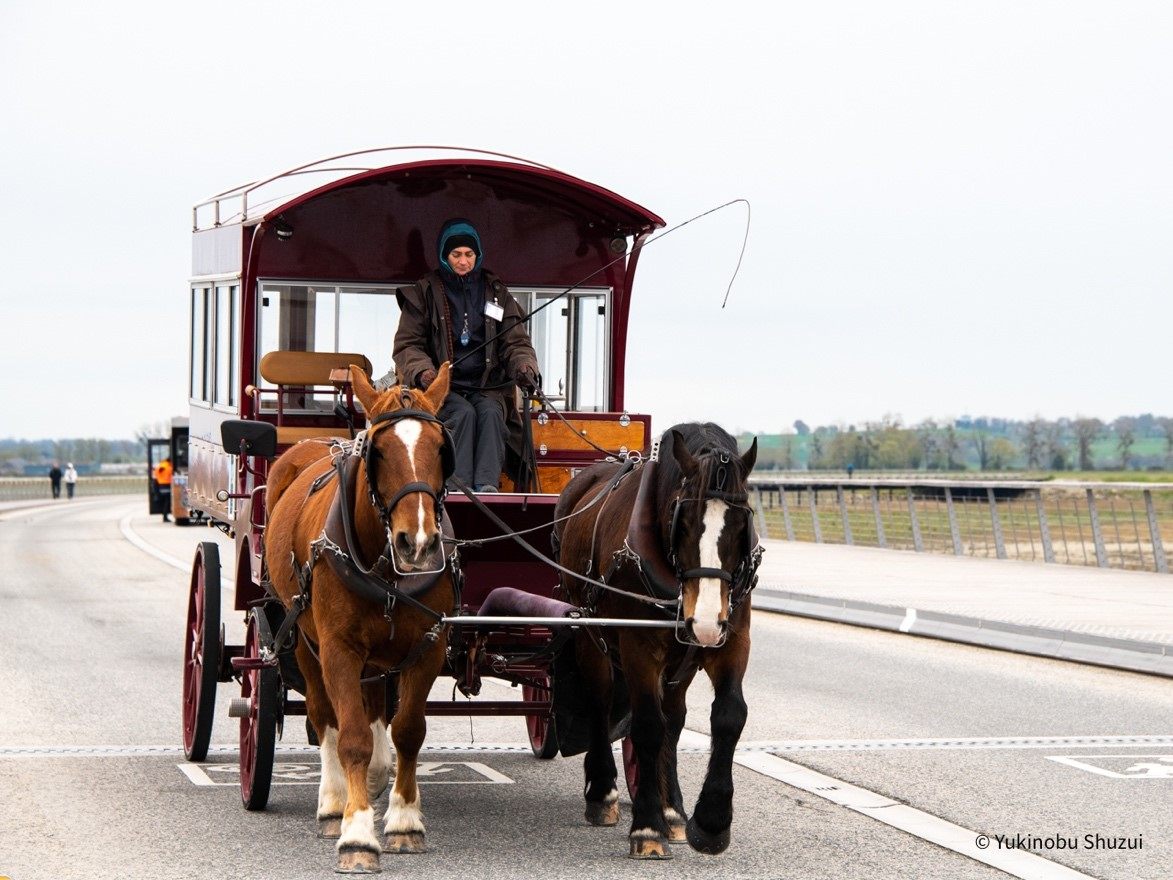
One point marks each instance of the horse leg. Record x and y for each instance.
(379, 772)
(675, 709)
(332, 786)
(403, 829)
(358, 847)
(643, 668)
(602, 796)
(708, 829)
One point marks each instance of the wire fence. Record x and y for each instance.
(1110, 525)
(25, 488)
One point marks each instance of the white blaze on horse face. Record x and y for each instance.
(706, 624)
(409, 430)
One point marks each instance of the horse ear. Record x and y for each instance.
(751, 456)
(363, 389)
(684, 458)
(438, 390)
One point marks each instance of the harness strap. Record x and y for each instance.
(344, 556)
(533, 551)
(643, 541)
(718, 573)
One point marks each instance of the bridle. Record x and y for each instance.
(365, 448)
(715, 490)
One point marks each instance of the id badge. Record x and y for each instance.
(494, 311)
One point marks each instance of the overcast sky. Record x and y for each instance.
(958, 208)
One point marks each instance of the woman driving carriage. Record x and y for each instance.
(465, 314)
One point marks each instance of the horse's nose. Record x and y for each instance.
(414, 554)
(707, 634)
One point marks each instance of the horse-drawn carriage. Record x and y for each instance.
(293, 309)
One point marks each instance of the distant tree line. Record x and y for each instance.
(17, 456)
(1143, 442)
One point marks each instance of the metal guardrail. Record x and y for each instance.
(1110, 525)
(22, 488)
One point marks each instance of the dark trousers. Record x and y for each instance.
(69, 489)
(56, 485)
(477, 424)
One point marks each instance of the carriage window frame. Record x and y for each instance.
(337, 288)
(199, 384)
(570, 400)
(225, 341)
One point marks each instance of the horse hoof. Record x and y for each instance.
(602, 813)
(404, 843)
(676, 833)
(330, 827)
(704, 842)
(357, 860)
(649, 848)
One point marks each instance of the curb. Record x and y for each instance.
(1153, 658)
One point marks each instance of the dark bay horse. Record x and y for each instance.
(674, 538)
(330, 516)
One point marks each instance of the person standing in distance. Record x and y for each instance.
(464, 314)
(55, 480)
(70, 479)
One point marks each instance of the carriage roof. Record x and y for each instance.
(340, 218)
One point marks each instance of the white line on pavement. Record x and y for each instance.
(1017, 863)
(909, 621)
(133, 536)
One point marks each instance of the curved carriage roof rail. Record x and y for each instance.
(320, 166)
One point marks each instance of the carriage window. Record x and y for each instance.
(590, 353)
(571, 338)
(329, 317)
(225, 343)
(197, 388)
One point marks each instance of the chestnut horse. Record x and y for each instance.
(328, 517)
(674, 539)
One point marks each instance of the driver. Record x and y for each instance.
(465, 314)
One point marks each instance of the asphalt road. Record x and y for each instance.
(916, 741)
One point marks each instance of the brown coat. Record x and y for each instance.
(423, 340)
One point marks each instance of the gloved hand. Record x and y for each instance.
(527, 378)
(426, 378)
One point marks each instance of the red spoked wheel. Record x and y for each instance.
(201, 652)
(630, 766)
(259, 695)
(543, 737)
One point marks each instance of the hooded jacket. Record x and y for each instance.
(425, 338)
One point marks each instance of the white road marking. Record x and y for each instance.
(909, 621)
(687, 746)
(427, 773)
(961, 840)
(134, 538)
(1159, 768)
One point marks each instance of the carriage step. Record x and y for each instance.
(252, 663)
(239, 707)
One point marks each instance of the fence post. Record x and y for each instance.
(879, 521)
(761, 515)
(810, 497)
(1097, 535)
(786, 513)
(999, 542)
(843, 515)
(917, 543)
(954, 531)
(1044, 529)
(1155, 533)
